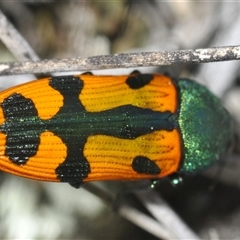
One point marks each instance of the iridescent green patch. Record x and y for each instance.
(205, 125)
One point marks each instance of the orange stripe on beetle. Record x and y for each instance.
(106, 92)
(50, 154)
(46, 100)
(84, 128)
(116, 158)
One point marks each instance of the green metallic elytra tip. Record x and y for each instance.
(205, 125)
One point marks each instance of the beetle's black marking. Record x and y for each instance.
(67, 125)
(22, 137)
(73, 124)
(139, 80)
(142, 164)
(87, 73)
(135, 72)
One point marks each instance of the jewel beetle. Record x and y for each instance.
(84, 128)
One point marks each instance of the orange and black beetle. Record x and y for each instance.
(82, 128)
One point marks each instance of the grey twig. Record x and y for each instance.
(142, 59)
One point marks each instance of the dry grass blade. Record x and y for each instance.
(14, 41)
(145, 222)
(128, 60)
(166, 216)
(135, 216)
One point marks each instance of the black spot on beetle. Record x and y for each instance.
(87, 73)
(144, 165)
(139, 81)
(22, 128)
